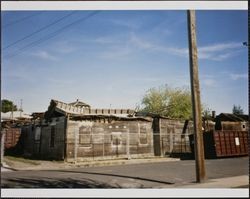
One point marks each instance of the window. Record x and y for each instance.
(85, 136)
(116, 139)
(52, 136)
(37, 133)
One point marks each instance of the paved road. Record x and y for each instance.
(147, 175)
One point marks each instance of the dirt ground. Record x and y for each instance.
(18, 163)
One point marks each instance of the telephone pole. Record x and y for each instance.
(196, 103)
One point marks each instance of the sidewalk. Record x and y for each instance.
(229, 182)
(6, 168)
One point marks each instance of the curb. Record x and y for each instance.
(5, 169)
(93, 164)
(124, 162)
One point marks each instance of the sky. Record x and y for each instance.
(110, 59)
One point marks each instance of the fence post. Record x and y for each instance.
(171, 142)
(162, 146)
(103, 146)
(76, 146)
(128, 147)
(116, 146)
(2, 146)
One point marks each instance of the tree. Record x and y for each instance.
(207, 113)
(237, 109)
(7, 105)
(169, 102)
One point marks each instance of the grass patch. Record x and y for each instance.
(10, 160)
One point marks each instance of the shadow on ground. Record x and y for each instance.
(75, 183)
(182, 156)
(54, 183)
(121, 176)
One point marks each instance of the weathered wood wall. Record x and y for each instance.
(171, 136)
(108, 139)
(27, 139)
(233, 126)
(52, 142)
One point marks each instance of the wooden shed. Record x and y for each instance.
(78, 133)
(234, 122)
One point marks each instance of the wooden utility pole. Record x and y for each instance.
(196, 103)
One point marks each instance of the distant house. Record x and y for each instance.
(15, 115)
(229, 121)
(15, 119)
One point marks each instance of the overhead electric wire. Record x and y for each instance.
(39, 30)
(52, 34)
(19, 20)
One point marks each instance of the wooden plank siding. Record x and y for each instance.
(52, 141)
(105, 139)
(171, 136)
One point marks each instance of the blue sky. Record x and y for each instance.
(111, 58)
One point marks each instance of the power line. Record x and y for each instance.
(39, 30)
(35, 43)
(19, 20)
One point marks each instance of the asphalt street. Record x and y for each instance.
(146, 175)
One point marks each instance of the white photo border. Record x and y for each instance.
(123, 5)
